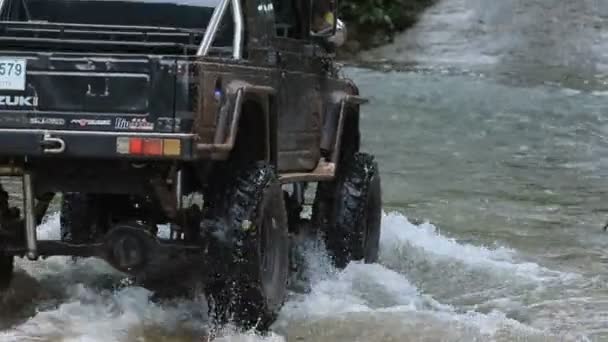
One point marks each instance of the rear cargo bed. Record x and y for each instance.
(86, 93)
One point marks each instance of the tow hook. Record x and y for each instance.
(52, 145)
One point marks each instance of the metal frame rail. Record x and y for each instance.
(212, 28)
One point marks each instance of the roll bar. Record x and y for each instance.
(216, 18)
(210, 33)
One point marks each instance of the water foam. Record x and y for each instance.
(373, 291)
(400, 236)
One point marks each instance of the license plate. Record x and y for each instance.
(12, 73)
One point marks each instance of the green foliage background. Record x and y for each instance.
(382, 16)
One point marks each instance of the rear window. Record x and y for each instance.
(180, 14)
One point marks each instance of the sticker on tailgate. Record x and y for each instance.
(12, 73)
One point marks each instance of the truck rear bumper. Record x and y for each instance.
(94, 144)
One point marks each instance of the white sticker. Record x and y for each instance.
(12, 73)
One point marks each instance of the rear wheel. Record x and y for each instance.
(349, 211)
(8, 216)
(249, 240)
(6, 271)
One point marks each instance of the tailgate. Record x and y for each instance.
(72, 92)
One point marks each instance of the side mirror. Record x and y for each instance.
(341, 34)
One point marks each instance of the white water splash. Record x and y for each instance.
(374, 291)
(399, 234)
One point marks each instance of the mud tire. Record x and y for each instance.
(348, 211)
(6, 271)
(250, 245)
(8, 216)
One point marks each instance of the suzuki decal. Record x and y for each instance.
(19, 101)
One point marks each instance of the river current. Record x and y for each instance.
(489, 120)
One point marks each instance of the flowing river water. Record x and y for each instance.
(490, 123)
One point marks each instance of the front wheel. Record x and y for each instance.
(349, 211)
(250, 243)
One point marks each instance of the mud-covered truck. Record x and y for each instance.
(211, 118)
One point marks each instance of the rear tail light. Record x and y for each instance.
(136, 146)
(148, 146)
(172, 147)
(153, 147)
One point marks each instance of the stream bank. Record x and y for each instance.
(374, 23)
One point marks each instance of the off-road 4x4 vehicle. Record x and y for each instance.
(211, 117)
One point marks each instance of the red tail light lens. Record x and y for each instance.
(136, 146)
(153, 147)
